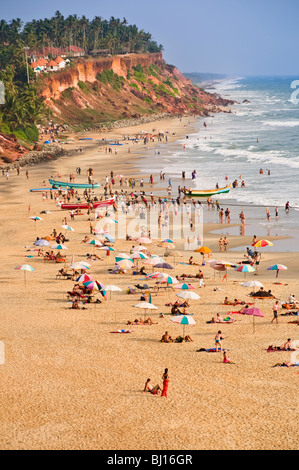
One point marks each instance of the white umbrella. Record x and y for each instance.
(252, 284)
(138, 248)
(188, 295)
(146, 306)
(111, 288)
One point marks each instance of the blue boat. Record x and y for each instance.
(63, 184)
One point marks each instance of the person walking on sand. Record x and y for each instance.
(165, 378)
(275, 310)
(218, 339)
(220, 245)
(225, 243)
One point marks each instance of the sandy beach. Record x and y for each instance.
(67, 382)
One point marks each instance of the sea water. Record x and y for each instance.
(261, 132)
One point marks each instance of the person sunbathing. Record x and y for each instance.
(149, 321)
(149, 388)
(192, 262)
(287, 346)
(175, 310)
(76, 306)
(227, 359)
(166, 338)
(188, 339)
(235, 302)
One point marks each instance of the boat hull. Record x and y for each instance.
(63, 184)
(85, 205)
(209, 192)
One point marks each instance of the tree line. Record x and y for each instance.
(114, 35)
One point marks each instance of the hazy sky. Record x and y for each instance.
(243, 37)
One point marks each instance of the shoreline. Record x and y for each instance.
(68, 383)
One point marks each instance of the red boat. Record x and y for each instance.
(85, 205)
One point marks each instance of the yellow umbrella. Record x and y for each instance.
(262, 243)
(203, 250)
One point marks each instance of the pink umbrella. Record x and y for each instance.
(255, 312)
(184, 286)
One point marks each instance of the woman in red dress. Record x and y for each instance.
(165, 378)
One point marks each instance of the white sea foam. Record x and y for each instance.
(281, 123)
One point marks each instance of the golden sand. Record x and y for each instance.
(68, 383)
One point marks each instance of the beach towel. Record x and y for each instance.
(211, 350)
(269, 350)
(122, 331)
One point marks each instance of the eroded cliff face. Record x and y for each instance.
(86, 96)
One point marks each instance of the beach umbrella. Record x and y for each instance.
(245, 268)
(84, 278)
(111, 288)
(106, 248)
(101, 289)
(255, 312)
(217, 265)
(67, 227)
(25, 268)
(277, 268)
(80, 265)
(187, 295)
(163, 266)
(59, 246)
(41, 242)
(146, 306)
(35, 218)
(109, 238)
(165, 278)
(125, 264)
(119, 258)
(203, 250)
(153, 275)
(167, 240)
(154, 261)
(139, 248)
(110, 221)
(124, 256)
(139, 255)
(95, 243)
(92, 285)
(252, 284)
(184, 320)
(184, 286)
(262, 243)
(176, 254)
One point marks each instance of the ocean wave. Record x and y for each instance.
(281, 123)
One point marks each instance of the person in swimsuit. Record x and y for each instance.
(149, 388)
(165, 378)
(218, 339)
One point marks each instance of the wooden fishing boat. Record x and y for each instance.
(85, 205)
(63, 184)
(208, 192)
